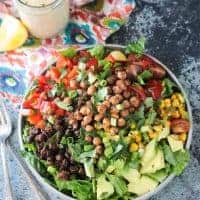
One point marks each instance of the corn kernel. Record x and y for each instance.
(175, 114)
(158, 128)
(173, 96)
(162, 105)
(180, 97)
(134, 133)
(134, 147)
(138, 138)
(175, 103)
(152, 134)
(183, 137)
(167, 103)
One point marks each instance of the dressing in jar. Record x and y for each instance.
(44, 18)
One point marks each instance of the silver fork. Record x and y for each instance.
(5, 131)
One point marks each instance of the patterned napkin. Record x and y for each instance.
(89, 24)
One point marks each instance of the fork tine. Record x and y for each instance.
(2, 120)
(7, 118)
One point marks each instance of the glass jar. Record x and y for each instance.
(44, 20)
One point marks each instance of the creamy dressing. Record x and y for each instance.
(46, 19)
(38, 3)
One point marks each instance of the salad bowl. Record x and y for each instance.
(147, 195)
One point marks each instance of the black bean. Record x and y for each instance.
(73, 168)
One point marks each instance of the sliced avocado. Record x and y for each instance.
(131, 175)
(164, 133)
(104, 188)
(149, 152)
(159, 175)
(142, 186)
(155, 164)
(175, 144)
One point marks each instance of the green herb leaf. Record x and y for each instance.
(148, 102)
(57, 90)
(150, 117)
(64, 106)
(69, 52)
(97, 51)
(72, 94)
(136, 47)
(168, 88)
(100, 95)
(144, 76)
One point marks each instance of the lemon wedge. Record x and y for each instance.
(12, 33)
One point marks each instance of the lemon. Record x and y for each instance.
(12, 33)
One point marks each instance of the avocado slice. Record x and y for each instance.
(164, 133)
(104, 188)
(142, 186)
(175, 144)
(155, 164)
(131, 175)
(149, 152)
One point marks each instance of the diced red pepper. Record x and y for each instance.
(84, 53)
(35, 118)
(55, 73)
(63, 62)
(92, 62)
(42, 80)
(154, 87)
(139, 91)
(60, 112)
(31, 100)
(72, 73)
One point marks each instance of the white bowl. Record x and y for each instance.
(145, 196)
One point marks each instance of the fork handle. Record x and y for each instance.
(7, 185)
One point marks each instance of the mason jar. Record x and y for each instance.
(44, 18)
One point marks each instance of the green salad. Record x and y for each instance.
(105, 123)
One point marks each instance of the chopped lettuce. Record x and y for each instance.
(97, 51)
(69, 52)
(168, 88)
(144, 76)
(100, 95)
(119, 184)
(136, 47)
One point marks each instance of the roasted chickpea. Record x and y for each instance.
(127, 82)
(83, 84)
(85, 110)
(126, 94)
(121, 84)
(114, 100)
(113, 131)
(114, 115)
(126, 104)
(86, 120)
(73, 83)
(121, 122)
(91, 90)
(99, 149)
(106, 122)
(121, 75)
(116, 89)
(106, 103)
(98, 117)
(135, 101)
(89, 128)
(124, 113)
(96, 141)
(114, 110)
(78, 116)
(88, 139)
(101, 109)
